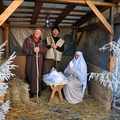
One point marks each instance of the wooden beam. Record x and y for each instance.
(81, 2)
(111, 19)
(116, 1)
(40, 17)
(2, 8)
(3, 25)
(81, 35)
(78, 2)
(37, 21)
(75, 41)
(100, 16)
(26, 25)
(112, 62)
(7, 39)
(98, 25)
(12, 7)
(67, 10)
(103, 27)
(36, 12)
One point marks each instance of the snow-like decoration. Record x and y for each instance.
(5, 74)
(103, 78)
(4, 109)
(5, 68)
(114, 48)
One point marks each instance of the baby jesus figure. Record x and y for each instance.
(55, 76)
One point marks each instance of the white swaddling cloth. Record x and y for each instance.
(55, 76)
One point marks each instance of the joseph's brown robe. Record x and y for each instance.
(30, 68)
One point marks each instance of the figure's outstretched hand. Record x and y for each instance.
(71, 64)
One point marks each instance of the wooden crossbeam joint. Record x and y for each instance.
(100, 16)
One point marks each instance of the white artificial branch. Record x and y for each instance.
(3, 88)
(5, 68)
(4, 109)
(103, 78)
(5, 74)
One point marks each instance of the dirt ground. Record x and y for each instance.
(88, 109)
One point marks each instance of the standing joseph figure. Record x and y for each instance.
(58, 45)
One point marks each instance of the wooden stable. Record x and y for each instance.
(96, 9)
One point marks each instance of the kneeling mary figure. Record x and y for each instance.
(76, 72)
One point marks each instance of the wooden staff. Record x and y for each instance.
(37, 76)
(54, 51)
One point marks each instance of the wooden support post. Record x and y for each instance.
(75, 41)
(111, 60)
(2, 97)
(81, 35)
(110, 67)
(6, 39)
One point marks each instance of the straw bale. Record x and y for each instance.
(18, 90)
(24, 93)
(15, 94)
(16, 82)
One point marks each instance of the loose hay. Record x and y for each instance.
(89, 109)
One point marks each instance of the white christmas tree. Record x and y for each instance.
(104, 77)
(5, 74)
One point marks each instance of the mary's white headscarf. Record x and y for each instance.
(81, 67)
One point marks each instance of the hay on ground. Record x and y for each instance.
(56, 110)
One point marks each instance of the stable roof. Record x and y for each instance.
(64, 13)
